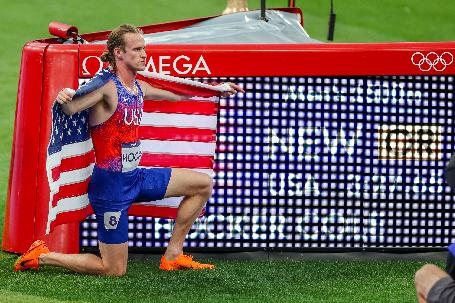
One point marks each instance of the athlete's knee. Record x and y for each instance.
(207, 185)
(115, 271)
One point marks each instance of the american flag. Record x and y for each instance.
(173, 134)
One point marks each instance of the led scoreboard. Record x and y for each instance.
(345, 161)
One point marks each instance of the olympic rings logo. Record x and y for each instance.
(432, 60)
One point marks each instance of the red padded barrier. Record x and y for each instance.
(59, 71)
(355, 59)
(18, 230)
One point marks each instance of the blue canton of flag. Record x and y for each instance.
(67, 129)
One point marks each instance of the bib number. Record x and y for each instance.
(111, 219)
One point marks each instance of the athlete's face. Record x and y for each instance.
(134, 55)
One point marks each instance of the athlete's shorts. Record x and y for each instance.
(112, 193)
(443, 291)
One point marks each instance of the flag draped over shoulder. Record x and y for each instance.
(173, 133)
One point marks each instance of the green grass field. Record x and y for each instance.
(233, 281)
(246, 281)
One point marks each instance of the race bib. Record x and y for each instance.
(131, 155)
(111, 219)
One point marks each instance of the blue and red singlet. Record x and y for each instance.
(116, 141)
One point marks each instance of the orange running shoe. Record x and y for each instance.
(30, 258)
(169, 265)
(183, 262)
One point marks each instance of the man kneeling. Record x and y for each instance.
(115, 184)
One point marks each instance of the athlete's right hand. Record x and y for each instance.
(65, 95)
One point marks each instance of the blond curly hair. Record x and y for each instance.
(115, 40)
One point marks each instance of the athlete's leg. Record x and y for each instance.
(113, 260)
(425, 278)
(197, 189)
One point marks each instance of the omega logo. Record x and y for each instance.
(181, 65)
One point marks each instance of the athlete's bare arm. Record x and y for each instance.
(153, 93)
(71, 106)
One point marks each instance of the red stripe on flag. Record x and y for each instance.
(177, 134)
(70, 190)
(182, 107)
(73, 163)
(177, 161)
(155, 211)
(71, 216)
